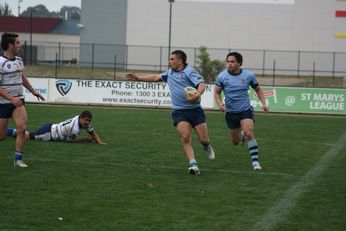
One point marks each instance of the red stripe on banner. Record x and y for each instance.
(265, 93)
(268, 93)
(340, 13)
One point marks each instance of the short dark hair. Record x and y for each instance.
(86, 114)
(6, 39)
(237, 56)
(181, 55)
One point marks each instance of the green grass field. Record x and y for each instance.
(139, 180)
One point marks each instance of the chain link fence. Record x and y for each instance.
(109, 61)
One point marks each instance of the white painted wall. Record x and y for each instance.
(308, 25)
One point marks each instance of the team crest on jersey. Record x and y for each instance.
(63, 86)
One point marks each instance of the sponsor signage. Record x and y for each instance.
(116, 93)
(157, 95)
(305, 100)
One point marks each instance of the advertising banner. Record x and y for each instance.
(108, 92)
(302, 100)
(157, 95)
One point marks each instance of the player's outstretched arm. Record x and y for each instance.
(145, 78)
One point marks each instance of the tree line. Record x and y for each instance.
(71, 12)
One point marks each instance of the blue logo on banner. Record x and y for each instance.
(63, 86)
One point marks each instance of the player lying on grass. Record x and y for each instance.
(67, 130)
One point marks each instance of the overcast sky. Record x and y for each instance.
(51, 5)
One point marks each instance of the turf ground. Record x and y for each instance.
(139, 181)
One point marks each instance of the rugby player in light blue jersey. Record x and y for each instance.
(186, 114)
(235, 82)
(12, 81)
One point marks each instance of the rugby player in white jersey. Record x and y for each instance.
(67, 130)
(186, 114)
(12, 81)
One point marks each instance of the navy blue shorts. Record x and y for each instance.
(233, 118)
(193, 116)
(6, 110)
(43, 133)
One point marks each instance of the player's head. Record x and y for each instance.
(180, 55)
(238, 57)
(177, 60)
(85, 118)
(86, 114)
(7, 39)
(234, 60)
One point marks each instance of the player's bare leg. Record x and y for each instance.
(184, 130)
(247, 127)
(202, 134)
(20, 118)
(235, 135)
(3, 128)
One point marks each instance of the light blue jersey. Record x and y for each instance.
(235, 89)
(177, 81)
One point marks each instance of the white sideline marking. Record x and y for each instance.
(279, 211)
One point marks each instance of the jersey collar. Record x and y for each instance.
(241, 70)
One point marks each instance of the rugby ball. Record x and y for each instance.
(190, 91)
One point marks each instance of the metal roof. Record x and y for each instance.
(38, 25)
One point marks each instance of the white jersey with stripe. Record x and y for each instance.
(11, 71)
(68, 130)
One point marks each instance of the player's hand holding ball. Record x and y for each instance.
(192, 95)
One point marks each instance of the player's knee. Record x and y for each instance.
(249, 135)
(185, 138)
(20, 128)
(20, 131)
